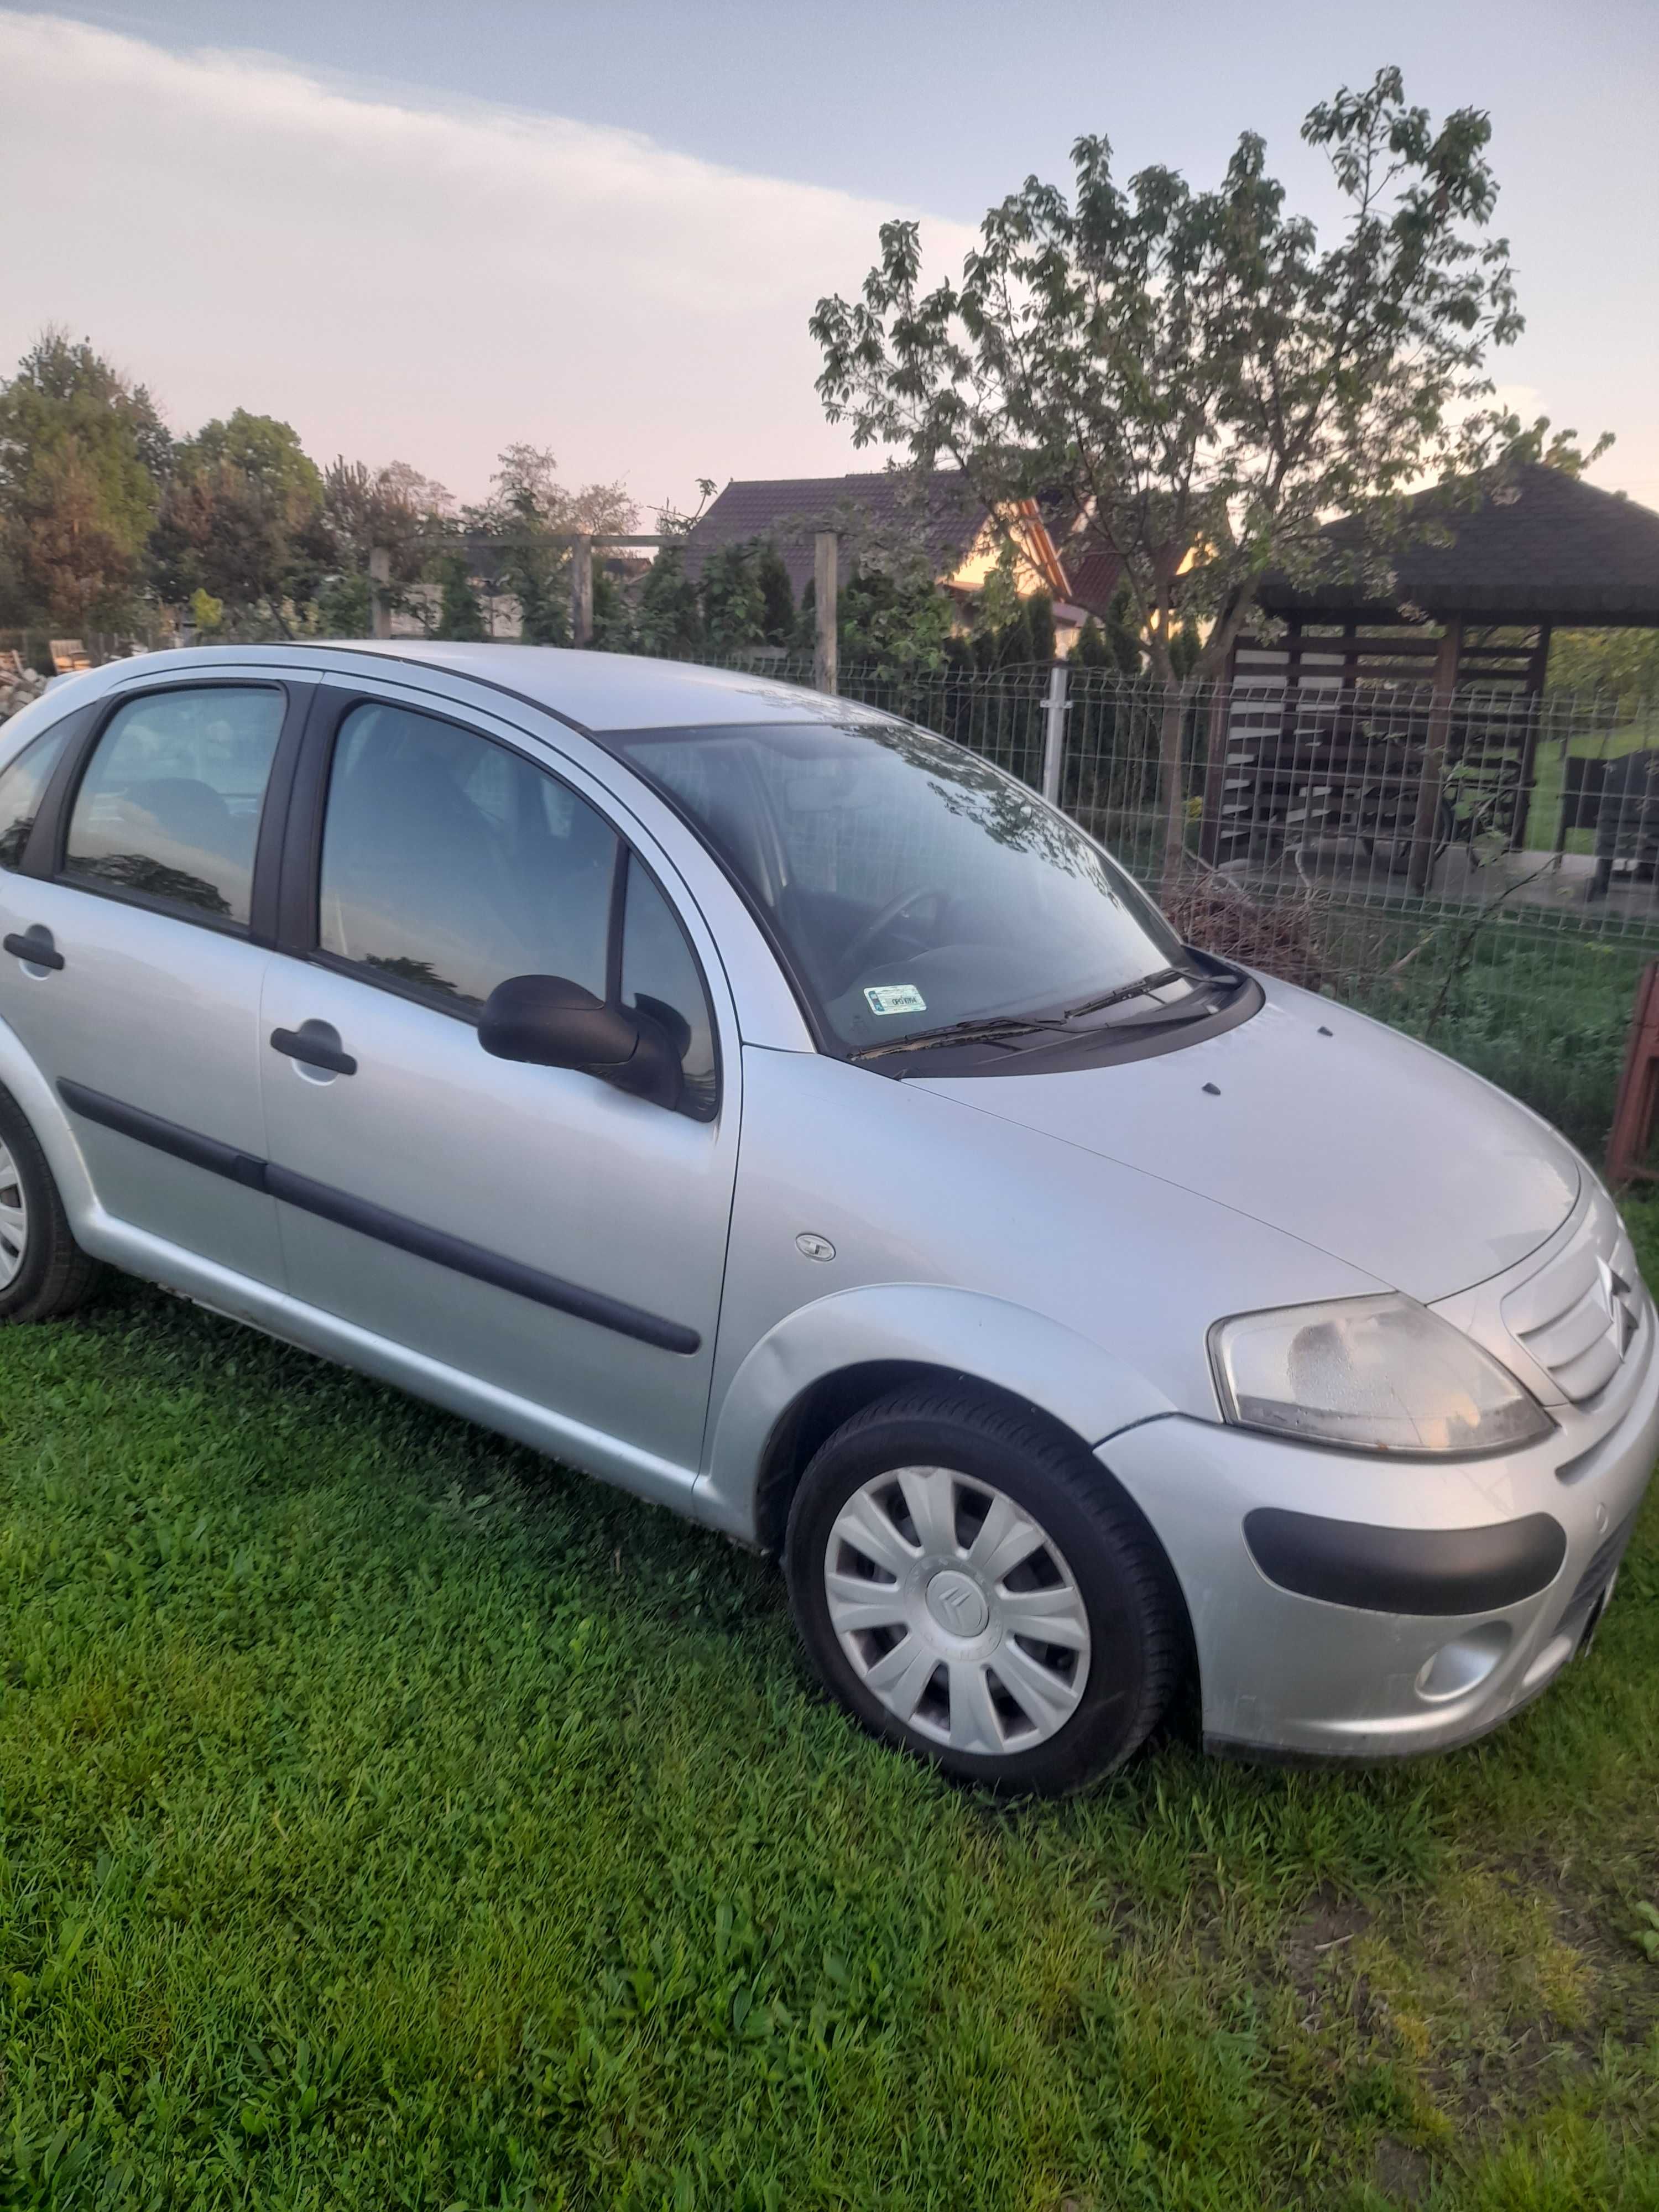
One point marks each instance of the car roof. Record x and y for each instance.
(596, 691)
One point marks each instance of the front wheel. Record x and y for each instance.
(972, 1588)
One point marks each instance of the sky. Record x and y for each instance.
(423, 232)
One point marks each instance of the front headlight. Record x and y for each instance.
(1381, 1374)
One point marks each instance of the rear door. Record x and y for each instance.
(559, 1243)
(135, 855)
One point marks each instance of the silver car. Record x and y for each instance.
(768, 1106)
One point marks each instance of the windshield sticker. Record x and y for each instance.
(896, 998)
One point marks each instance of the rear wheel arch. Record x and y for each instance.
(48, 1273)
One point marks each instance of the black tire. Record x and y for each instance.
(1135, 1619)
(56, 1275)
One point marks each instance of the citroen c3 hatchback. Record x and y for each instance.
(768, 1106)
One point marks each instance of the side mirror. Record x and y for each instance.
(550, 1022)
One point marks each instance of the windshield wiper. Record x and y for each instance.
(993, 1028)
(1155, 982)
(989, 1030)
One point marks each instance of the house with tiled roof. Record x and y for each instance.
(890, 509)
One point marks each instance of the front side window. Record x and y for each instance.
(451, 863)
(23, 787)
(912, 884)
(169, 806)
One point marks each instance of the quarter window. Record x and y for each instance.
(168, 808)
(660, 977)
(23, 787)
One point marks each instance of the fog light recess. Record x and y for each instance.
(1464, 1663)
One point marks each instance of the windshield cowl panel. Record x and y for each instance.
(1080, 1044)
(911, 886)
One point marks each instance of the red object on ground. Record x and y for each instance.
(1638, 1086)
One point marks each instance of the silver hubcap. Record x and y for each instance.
(957, 1610)
(13, 1219)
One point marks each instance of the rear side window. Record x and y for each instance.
(169, 806)
(23, 787)
(450, 863)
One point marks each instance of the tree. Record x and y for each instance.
(243, 520)
(888, 620)
(734, 605)
(1110, 644)
(81, 452)
(395, 507)
(1196, 381)
(669, 624)
(528, 512)
(1623, 662)
(615, 628)
(777, 596)
(1189, 372)
(460, 615)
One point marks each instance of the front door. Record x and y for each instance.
(134, 981)
(554, 1241)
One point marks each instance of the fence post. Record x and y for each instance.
(1632, 1116)
(1215, 769)
(380, 580)
(825, 546)
(1172, 791)
(1434, 756)
(1054, 734)
(581, 590)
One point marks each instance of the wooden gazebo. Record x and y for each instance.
(1349, 720)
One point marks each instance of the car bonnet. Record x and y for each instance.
(1326, 1125)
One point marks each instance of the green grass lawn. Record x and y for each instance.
(391, 1819)
(1544, 811)
(1542, 1011)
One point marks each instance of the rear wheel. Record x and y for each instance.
(971, 1587)
(42, 1271)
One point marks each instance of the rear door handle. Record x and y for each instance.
(34, 946)
(311, 1050)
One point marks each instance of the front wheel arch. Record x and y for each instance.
(1009, 1450)
(833, 1399)
(829, 1403)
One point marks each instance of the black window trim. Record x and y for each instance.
(297, 889)
(67, 733)
(43, 857)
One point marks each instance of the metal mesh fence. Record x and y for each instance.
(1480, 869)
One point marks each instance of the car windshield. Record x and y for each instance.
(912, 884)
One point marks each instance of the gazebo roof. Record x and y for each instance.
(1545, 548)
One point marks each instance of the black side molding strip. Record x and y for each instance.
(1415, 1570)
(464, 1259)
(386, 1228)
(164, 1136)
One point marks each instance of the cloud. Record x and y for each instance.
(429, 281)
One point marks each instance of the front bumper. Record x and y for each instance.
(1289, 1676)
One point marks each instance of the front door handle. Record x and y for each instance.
(314, 1044)
(34, 947)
